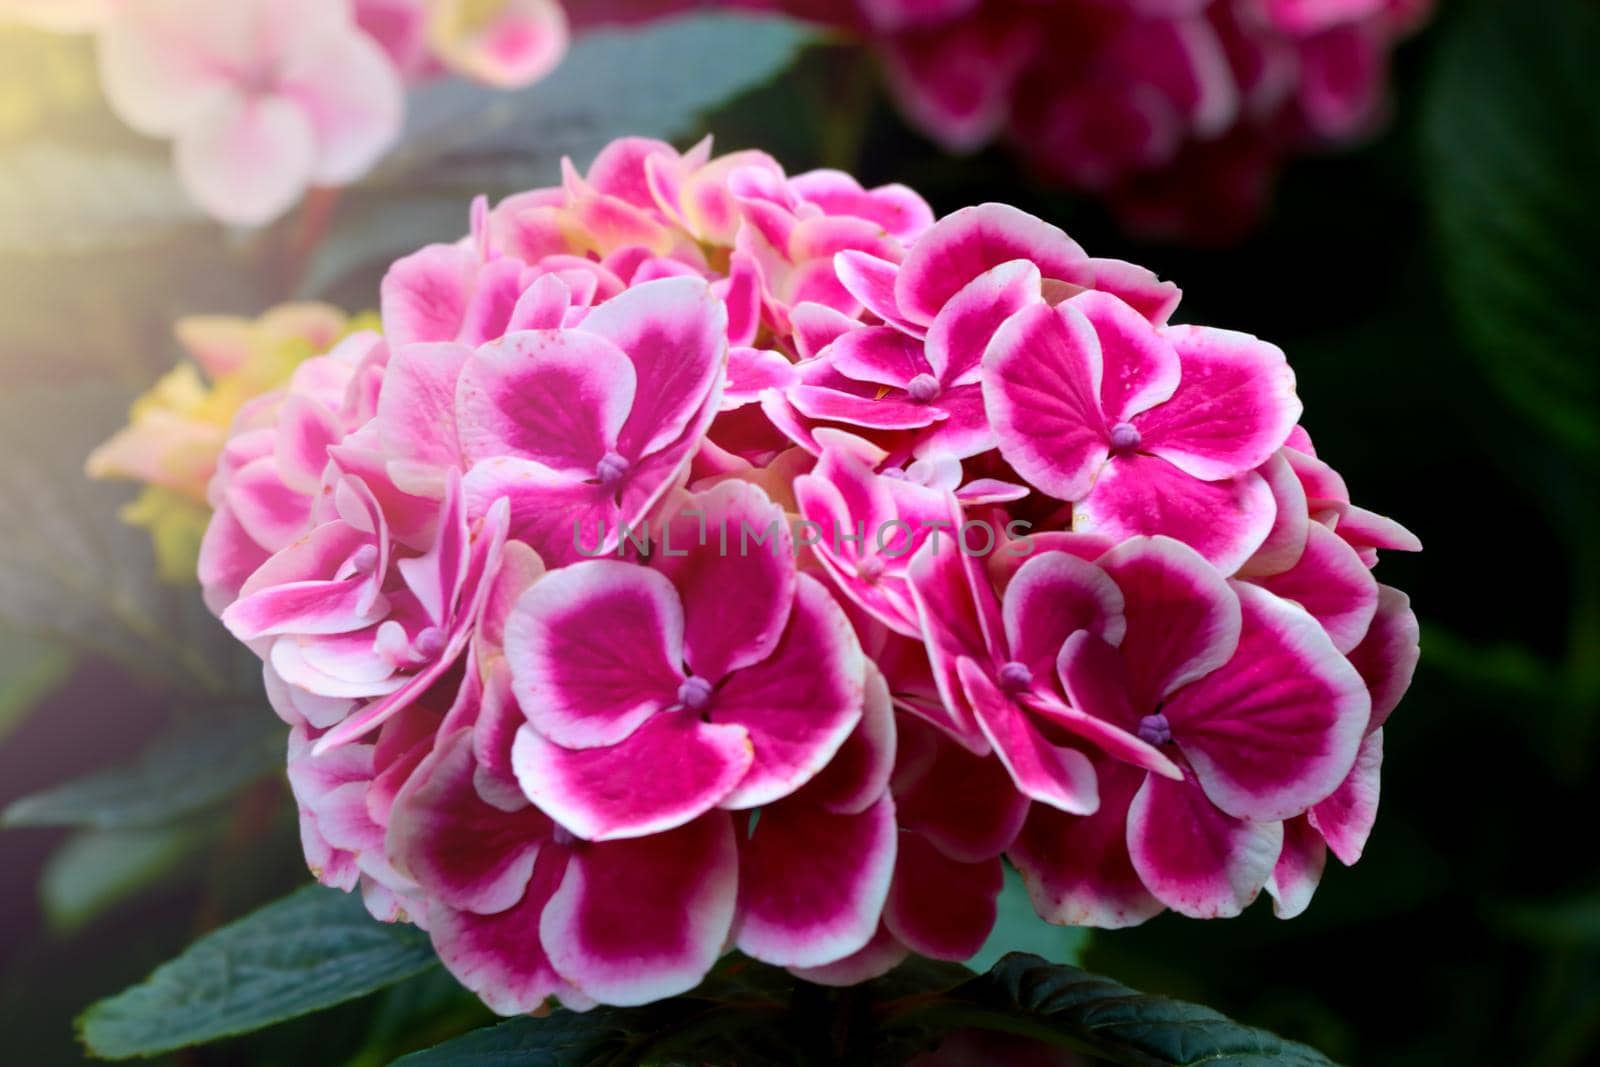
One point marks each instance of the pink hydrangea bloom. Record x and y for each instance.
(706, 557)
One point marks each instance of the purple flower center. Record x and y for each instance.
(611, 469)
(1125, 437)
(1155, 729)
(1014, 677)
(923, 388)
(869, 569)
(694, 693)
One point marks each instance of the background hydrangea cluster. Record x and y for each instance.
(705, 556)
(1179, 112)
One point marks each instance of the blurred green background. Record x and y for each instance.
(1436, 290)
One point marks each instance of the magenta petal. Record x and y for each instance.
(1287, 538)
(1233, 408)
(499, 956)
(270, 512)
(1060, 777)
(752, 371)
(1346, 818)
(965, 805)
(871, 281)
(940, 907)
(816, 326)
(874, 413)
(560, 518)
(463, 852)
(595, 650)
(1332, 583)
(1276, 729)
(1051, 597)
(973, 240)
(1140, 367)
(1298, 870)
(641, 920)
(1387, 657)
(859, 772)
(675, 333)
(801, 703)
(736, 594)
(879, 355)
(812, 883)
(666, 773)
(1226, 521)
(541, 306)
(1137, 287)
(424, 295)
(965, 325)
(1192, 857)
(1076, 867)
(880, 956)
(1041, 386)
(1183, 618)
(558, 398)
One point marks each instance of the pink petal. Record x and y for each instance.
(1183, 619)
(1233, 408)
(883, 413)
(816, 326)
(668, 772)
(1051, 597)
(974, 240)
(880, 956)
(736, 595)
(425, 294)
(1140, 367)
(675, 333)
(859, 772)
(417, 406)
(964, 326)
(871, 281)
(1332, 583)
(542, 305)
(1042, 380)
(1077, 868)
(752, 371)
(1137, 287)
(622, 946)
(465, 853)
(1192, 857)
(271, 513)
(499, 956)
(812, 883)
(959, 617)
(940, 907)
(965, 805)
(1298, 870)
(1060, 777)
(1287, 538)
(246, 160)
(595, 650)
(801, 703)
(351, 93)
(1225, 521)
(1387, 657)
(563, 520)
(1345, 819)
(1276, 729)
(556, 397)
(878, 354)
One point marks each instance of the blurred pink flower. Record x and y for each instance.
(262, 98)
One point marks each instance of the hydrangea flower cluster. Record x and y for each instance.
(1179, 112)
(265, 98)
(708, 557)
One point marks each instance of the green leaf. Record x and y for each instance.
(98, 869)
(1512, 138)
(1068, 1007)
(193, 768)
(311, 950)
(562, 1039)
(1018, 928)
(30, 670)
